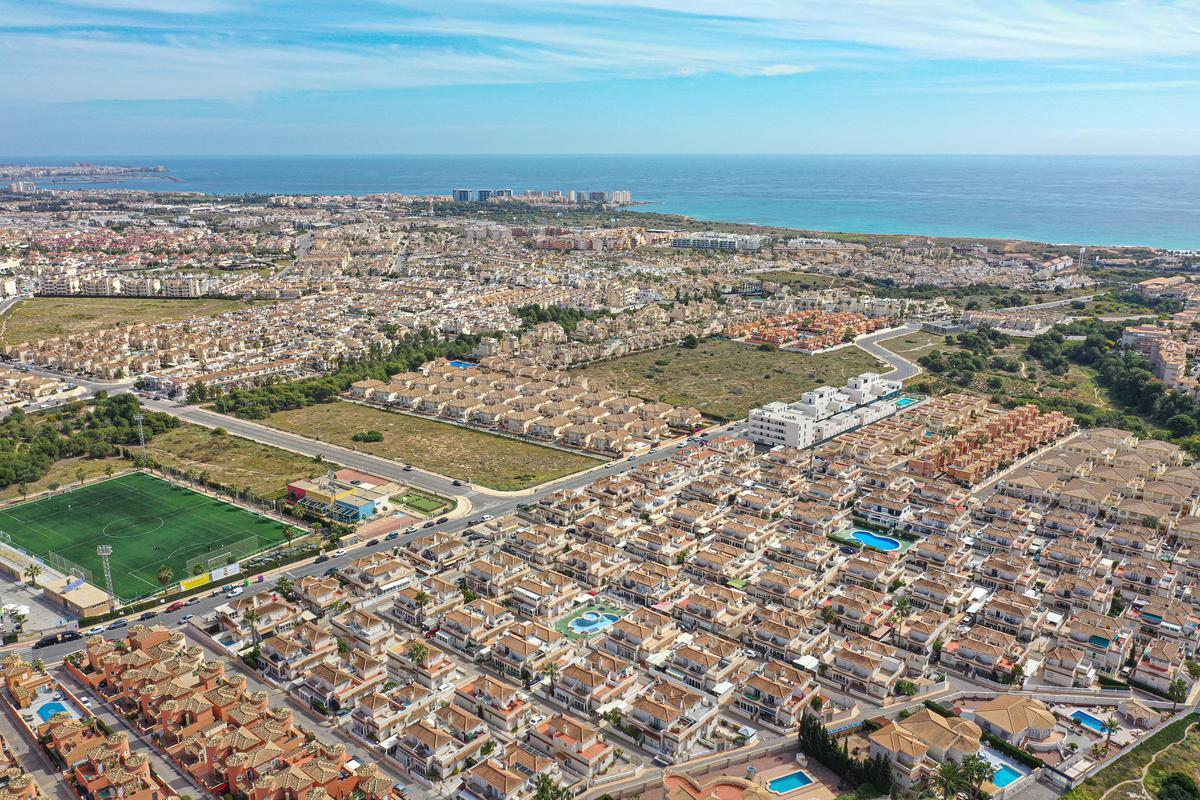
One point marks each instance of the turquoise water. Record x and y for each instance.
(905, 402)
(591, 622)
(50, 709)
(1099, 641)
(1005, 775)
(790, 782)
(462, 364)
(1088, 721)
(886, 543)
(1080, 199)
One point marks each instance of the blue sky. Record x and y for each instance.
(103, 77)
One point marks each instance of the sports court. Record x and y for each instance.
(149, 524)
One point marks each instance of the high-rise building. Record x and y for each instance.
(622, 197)
(461, 195)
(502, 193)
(484, 195)
(597, 197)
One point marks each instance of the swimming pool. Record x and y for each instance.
(590, 622)
(905, 402)
(48, 710)
(1004, 776)
(462, 364)
(875, 540)
(1088, 721)
(790, 782)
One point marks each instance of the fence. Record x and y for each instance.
(226, 555)
(65, 566)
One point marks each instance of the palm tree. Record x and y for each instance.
(251, 617)
(39, 665)
(550, 670)
(284, 584)
(108, 470)
(418, 654)
(1110, 726)
(165, 576)
(949, 779)
(289, 533)
(902, 608)
(976, 770)
(80, 474)
(32, 572)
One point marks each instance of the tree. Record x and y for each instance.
(1110, 726)
(289, 533)
(422, 598)
(284, 584)
(165, 576)
(418, 654)
(108, 470)
(31, 572)
(251, 619)
(977, 770)
(80, 474)
(550, 669)
(1178, 786)
(23, 488)
(1177, 691)
(39, 665)
(1016, 677)
(902, 608)
(949, 779)
(829, 615)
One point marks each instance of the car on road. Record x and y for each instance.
(235, 592)
(440, 520)
(372, 543)
(184, 620)
(392, 535)
(456, 482)
(321, 559)
(191, 601)
(411, 529)
(487, 518)
(341, 551)
(331, 572)
(429, 524)
(93, 631)
(57, 638)
(178, 604)
(148, 615)
(408, 467)
(121, 623)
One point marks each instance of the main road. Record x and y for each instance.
(902, 368)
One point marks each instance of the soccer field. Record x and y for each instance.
(148, 522)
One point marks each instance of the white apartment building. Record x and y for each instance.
(823, 412)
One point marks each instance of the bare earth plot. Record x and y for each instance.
(493, 461)
(47, 317)
(726, 379)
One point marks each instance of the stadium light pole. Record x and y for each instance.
(104, 551)
(141, 434)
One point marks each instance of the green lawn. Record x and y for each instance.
(423, 504)
(494, 461)
(149, 523)
(726, 379)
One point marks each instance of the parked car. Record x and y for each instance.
(456, 482)
(148, 615)
(121, 623)
(440, 520)
(235, 592)
(408, 467)
(45, 641)
(321, 559)
(429, 524)
(187, 618)
(178, 604)
(191, 601)
(392, 535)
(372, 543)
(341, 551)
(70, 636)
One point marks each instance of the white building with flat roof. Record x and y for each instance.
(823, 413)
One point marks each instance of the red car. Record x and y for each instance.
(178, 604)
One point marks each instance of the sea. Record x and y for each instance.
(1081, 200)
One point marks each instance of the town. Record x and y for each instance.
(383, 496)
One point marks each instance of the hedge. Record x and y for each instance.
(1017, 753)
(938, 708)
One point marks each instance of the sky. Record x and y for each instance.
(128, 77)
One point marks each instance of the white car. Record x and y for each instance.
(235, 592)
(341, 551)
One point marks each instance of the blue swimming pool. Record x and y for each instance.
(1088, 721)
(790, 782)
(462, 364)
(48, 710)
(1004, 776)
(875, 540)
(905, 402)
(590, 622)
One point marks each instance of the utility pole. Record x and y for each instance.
(141, 433)
(104, 551)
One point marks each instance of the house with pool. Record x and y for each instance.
(918, 745)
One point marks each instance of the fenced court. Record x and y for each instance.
(149, 523)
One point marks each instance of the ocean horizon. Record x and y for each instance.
(1081, 200)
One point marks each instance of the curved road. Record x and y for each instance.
(902, 368)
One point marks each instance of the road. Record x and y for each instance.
(902, 368)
